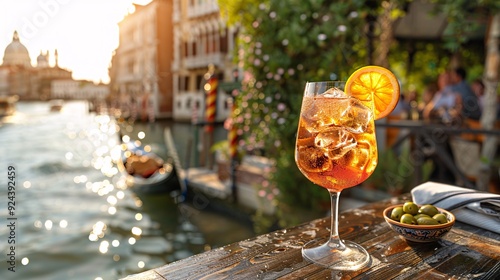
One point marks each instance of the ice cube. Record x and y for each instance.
(335, 93)
(319, 112)
(312, 159)
(335, 141)
(363, 157)
(357, 116)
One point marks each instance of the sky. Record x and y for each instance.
(84, 32)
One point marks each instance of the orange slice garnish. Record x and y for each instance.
(375, 86)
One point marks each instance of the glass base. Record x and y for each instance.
(351, 256)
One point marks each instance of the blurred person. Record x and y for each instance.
(468, 102)
(477, 87)
(444, 103)
(442, 108)
(427, 95)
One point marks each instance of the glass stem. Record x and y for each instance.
(335, 241)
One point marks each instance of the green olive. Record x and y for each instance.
(427, 221)
(429, 210)
(420, 215)
(440, 218)
(408, 219)
(396, 213)
(410, 208)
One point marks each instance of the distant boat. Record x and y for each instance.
(145, 172)
(56, 105)
(8, 105)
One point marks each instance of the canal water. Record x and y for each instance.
(70, 216)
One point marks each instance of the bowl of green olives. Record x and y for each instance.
(419, 223)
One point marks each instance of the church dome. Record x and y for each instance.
(42, 61)
(16, 53)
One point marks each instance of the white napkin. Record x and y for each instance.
(481, 209)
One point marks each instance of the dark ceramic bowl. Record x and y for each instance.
(420, 233)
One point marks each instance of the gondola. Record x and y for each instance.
(145, 172)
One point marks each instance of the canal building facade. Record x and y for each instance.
(140, 72)
(165, 51)
(201, 40)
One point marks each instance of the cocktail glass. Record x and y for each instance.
(335, 149)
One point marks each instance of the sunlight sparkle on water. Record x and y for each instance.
(138, 203)
(63, 224)
(69, 156)
(93, 237)
(115, 153)
(120, 194)
(48, 224)
(136, 231)
(25, 261)
(104, 246)
(138, 216)
(112, 200)
(80, 179)
(132, 241)
(141, 264)
(27, 184)
(141, 135)
(98, 230)
(112, 210)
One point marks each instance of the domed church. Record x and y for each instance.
(16, 54)
(19, 77)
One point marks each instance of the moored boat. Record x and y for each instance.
(8, 105)
(56, 105)
(146, 172)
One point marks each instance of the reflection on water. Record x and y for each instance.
(75, 217)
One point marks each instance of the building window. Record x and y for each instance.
(214, 41)
(194, 48)
(185, 53)
(183, 83)
(223, 42)
(200, 82)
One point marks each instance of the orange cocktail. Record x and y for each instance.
(336, 146)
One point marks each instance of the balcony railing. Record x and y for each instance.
(203, 9)
(216, 59)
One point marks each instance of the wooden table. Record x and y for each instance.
(466, 252)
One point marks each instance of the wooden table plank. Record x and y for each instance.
(466, 252)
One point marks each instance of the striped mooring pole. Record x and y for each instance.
(210, 88)
(233, 148)
(211, 98)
